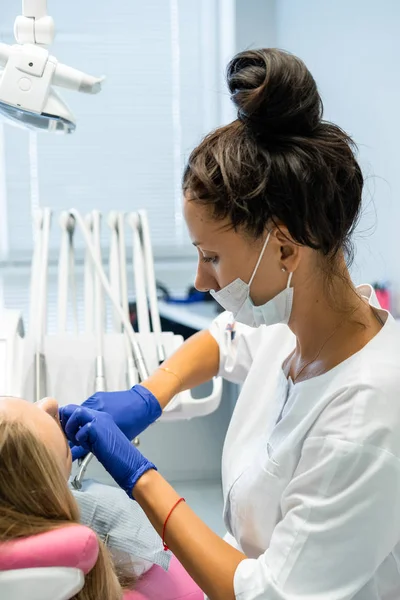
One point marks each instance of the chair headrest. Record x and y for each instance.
(70, 546)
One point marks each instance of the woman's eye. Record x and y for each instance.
(209, 259)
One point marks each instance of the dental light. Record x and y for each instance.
(29, 73)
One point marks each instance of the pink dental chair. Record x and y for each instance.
(53, 565)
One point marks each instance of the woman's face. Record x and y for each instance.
(225, 254)
(42, 418)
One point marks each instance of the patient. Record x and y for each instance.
(35, 463)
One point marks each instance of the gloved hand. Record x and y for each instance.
(132, 410)
(98, 433)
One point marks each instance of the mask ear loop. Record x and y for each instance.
(259, 259)
(289, 280)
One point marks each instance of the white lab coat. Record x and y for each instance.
(313, 498)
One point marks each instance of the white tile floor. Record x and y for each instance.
(205, 498)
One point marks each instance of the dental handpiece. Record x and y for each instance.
(100, 385)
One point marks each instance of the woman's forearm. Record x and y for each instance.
(209, 560)
(195, 362)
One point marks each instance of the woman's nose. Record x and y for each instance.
(204, 280)
(49, 405)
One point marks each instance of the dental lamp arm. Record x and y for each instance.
(34, 26)
(35, 9)
(37, 28)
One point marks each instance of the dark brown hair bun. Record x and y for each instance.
(274, 92)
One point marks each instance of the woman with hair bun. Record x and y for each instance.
(311, 463)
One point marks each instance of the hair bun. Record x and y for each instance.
(275, 93)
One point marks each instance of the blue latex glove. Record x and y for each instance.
(97, 432)
(132, 410)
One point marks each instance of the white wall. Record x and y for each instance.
(353, 50)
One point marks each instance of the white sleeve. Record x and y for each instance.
(236, 343)
(341, 519)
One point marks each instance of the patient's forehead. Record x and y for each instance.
(35, 415)
(13, 406)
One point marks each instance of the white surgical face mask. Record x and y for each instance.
(235, 298)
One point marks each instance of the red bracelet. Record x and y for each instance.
(167, 519)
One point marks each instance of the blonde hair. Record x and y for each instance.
(35, 498)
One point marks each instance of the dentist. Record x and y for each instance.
(311, 463)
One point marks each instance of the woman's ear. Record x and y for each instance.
(290, 251)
